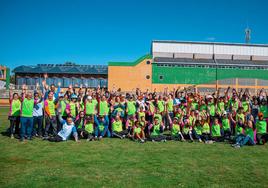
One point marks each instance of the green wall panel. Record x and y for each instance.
(192, 75)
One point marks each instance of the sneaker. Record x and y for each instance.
(183, 140)
(100, 137)
(200, 140)
(45, 138)
(142, 141)
(88, 140)
(153, 140)
(12, 136)
(124, 136)
(237, 146)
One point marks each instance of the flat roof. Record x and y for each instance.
(215, 43)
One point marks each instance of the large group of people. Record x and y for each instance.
(180, 114)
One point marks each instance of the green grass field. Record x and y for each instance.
(123, 163)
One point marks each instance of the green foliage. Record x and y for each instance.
(123, 163)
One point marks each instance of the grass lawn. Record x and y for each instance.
(123, 163)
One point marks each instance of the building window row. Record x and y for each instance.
(65, 82)
(215, 66)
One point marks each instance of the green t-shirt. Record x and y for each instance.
(63, 108)
(238, 130)
(261, 127)
(73, 109)
(27, 108)
(264, 110)
(249, 132)
(104, 108)
(131, 106)
(175, 129)
(216, 130)
(117, 126)
(15, 107)
(101, 127)
(51, 107)
(170, 105)
(159, 117)
(194, 105)
(160, 105)
(245, 105)
(80, 126)
(156, 130)
(90, 108)
(198, 129)
(141, 114)
(137, 130)
(225, 124)
(221, 107)
(89, 128)
(211, 109)
(206, 128)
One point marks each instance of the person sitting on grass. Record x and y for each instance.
(197, 131)
(68, 127)
(261, 127)
(226, 126)
(176, 131)
(156, 130)
(117, 128)
(80, 123)
(206, 136)
(187, 130)
(247, 137)
(102, 127)
(216, 131)
(88, 130)
(138, 133)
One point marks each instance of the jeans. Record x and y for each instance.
(14, 124)
(119, 134)
(243, 140)
(39, 121)
(51, 122)
(26, 127)
(196, 136)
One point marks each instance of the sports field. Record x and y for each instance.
(123, 163)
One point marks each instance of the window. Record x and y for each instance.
(148, 62)
(148, 77)
(161, 77)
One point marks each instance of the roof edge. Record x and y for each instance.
(134, 63)
(205, 42)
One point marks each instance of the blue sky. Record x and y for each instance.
(98, 31)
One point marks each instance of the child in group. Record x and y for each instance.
(247, 137)
(129, 124)
(102, 127)
(156, 130)
(261, 127)
(88, 131)
(197, 131)
(14, 113)
(117, 128)
(187, 130)
(176, 130)
(226, 128)
(205, 131)
(216, 131)
(80, 123)
(138, 133)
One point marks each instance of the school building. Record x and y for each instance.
(66, 74)
(204, 64)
